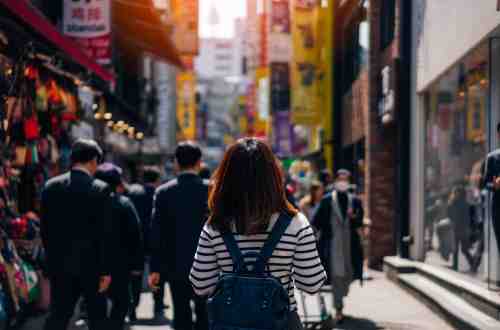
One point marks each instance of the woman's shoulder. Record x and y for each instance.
(298, 224)
(210, 231)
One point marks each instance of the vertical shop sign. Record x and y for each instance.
(305, 67)
(186, 105)
(280, 43)
(88, 22)
(280, 87)
(283, 138)
(185, 19)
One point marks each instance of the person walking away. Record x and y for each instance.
(77, 232)
(460, 221)
(491, 181)
(180, 210)
(339, 218)
(142, 198)
(128, 261)
(310, 202)
(248, 203)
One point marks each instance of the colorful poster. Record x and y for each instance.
(185, 25)
(280, 42)
(88, 22)
(283, 134)
(186, 105)
(305, 68)
(280, 87)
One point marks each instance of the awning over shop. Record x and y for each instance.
(138, 28)
(31, 17)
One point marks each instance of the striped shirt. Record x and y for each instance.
(295, 258)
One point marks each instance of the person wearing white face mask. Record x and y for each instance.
(339, 219)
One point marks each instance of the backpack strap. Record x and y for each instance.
(234, 251)
(274, 238)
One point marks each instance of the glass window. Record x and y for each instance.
(456, 144)
(387, 22)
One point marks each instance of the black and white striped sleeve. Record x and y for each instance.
(308, 272)
(205, 270)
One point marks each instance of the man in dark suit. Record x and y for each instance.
(76, 229)
(129, 258)
(491, 181)
(142, 198)
(180, 211)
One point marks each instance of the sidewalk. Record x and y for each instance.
(378, 305)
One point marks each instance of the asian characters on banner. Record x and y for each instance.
(186, 105)
(306, 60)
(88, 22)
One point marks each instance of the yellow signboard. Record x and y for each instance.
(306, 68)
(186, 105)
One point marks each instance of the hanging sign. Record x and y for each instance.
(186, 105)
(185, 33)
(88, 22)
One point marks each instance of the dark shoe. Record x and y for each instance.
(133, 317)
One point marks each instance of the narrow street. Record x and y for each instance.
(378, 305)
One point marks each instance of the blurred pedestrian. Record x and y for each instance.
(339, 218)
(326, 178)
(142, 198)
(180, 210)
(248, 199)
(77, 232)
(128, 260)
(310, 202)
(205, 172)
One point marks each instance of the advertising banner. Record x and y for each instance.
(186, 105)
(185, 19)
(283, 136)
(306, 71)
(280, 87)
(280, 43)
(88, 22)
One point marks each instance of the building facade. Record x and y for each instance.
(370, 116)
(455, 109)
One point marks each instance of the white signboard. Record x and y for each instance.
(88, 22)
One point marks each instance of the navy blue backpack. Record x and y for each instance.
(250, 299)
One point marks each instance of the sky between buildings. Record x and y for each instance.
(227, 10)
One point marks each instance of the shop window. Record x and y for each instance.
(356, 46)
(387, 22)
(456, 145)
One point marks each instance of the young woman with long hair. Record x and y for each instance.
(247, 197)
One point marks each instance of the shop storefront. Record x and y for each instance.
(453, 128)
(456, 143)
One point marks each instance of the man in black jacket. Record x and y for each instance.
(129, 257)
(142, 198)
(180, 211)
(76, 229)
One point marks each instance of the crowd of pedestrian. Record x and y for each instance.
(102, 237)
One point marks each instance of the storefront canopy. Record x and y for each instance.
(32, 18)
(138, 28)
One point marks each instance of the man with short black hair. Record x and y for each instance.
(76, 230)
(491, 181)
(129, 258)
(180, 211)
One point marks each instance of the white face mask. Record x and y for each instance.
(342, 186)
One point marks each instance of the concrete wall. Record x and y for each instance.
(446, 30)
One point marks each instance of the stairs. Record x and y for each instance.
(462, 303)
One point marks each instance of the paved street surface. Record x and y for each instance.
(379, 305)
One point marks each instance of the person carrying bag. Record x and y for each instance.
(255, 248)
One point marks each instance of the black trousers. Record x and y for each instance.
(136, 290)
(65, 291)
(496, 221)
(119, 294)
(182, 294)
(159, 295)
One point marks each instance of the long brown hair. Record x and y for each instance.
(248, 187)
